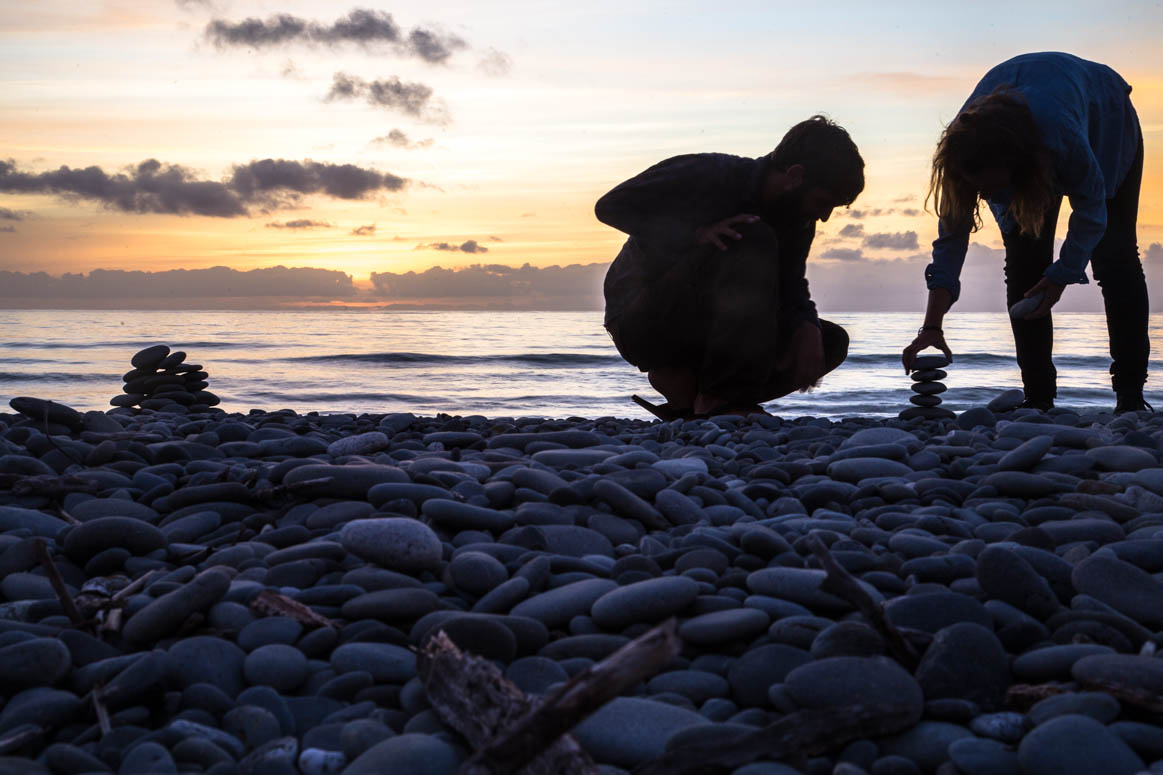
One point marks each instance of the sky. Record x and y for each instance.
(218, 147)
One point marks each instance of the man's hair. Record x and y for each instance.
(828, 155)
(995, 130)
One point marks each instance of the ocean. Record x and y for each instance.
(511, 364)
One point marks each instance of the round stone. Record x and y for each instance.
(396, 543)
(476, 572)
(279, 666)
(1076, 745)
(835, 681)
(928, 388)
(407, 754)
(630, 730)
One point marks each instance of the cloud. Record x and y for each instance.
(364, 231)
(414, 99)
(575, 286)
(361, 26)
(852, 230)
(302, 223)
(8, 229)
(398, 139)
(859, 214)
(495, 63)
(12, 215)
(842, 254)
(154, 187)
(911, 212)
(220, 282)
(468, 246)
(885, 241)
(1153, 254)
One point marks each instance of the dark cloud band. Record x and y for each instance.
(583, 282)
(154, 187)
(220, 281)
(468, 246)
(413, 99)
(364, 27)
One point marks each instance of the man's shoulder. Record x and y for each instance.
(710, 159)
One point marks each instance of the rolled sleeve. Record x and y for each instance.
(948, 257)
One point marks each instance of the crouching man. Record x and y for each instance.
(708, 294)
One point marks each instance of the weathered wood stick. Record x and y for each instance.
(807, 732)
(511, 733)
(841, 583)
(473, 697)
(58, 585)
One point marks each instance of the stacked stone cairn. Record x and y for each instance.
(927, 388)
(162, 381)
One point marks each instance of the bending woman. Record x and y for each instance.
(1039, 127)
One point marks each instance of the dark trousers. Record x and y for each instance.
(1116, 266)
(717, 313)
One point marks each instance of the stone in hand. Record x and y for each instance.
(932, 361)
(1026, 306)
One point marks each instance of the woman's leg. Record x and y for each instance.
(1119, 272)
(1026, 259)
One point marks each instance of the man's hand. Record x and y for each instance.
(717, 232)
(925, 339)
(1053, 294)
(804, 356)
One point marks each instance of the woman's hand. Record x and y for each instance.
(1053, 294)
(717, 232)
(925, 339)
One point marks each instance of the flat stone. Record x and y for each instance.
(1054, 663)
(859, 468)
(36, 522)
(150, 357)
(644, 601)
(928, 388)
(359, 444)
(926, 413)
(1122, 458)
(555, 607)
(387, 663)
(1076, 745)
(676, 468)
(1134, 679)
(88, 539)
(930, 361)
(38, 409)
(722, 627)
(465, 516)
(835, 681)
(925, 400)
(696, 685)
(350, 482)
(928, 375)
(801, 585)
(391, 605)
(1026, 455)
(1100, 706)
(165, 615)
(1020, 484)
(935, 611)
(571, 458)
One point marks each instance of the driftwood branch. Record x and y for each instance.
(841, 583)
(511, 734)
(803, 733)
(58, 585)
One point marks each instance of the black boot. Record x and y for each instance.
(1129, 395)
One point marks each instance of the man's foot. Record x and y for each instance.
(1132, 402)
(664, 412)
(1040, 404)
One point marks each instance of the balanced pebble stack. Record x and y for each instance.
(162, 381)
(927, 388)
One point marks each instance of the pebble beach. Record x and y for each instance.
(246, 592)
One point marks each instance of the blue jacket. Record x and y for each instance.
(1086, 120)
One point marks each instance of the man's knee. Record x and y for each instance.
(835, 344)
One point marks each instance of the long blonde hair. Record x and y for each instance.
(995, 130)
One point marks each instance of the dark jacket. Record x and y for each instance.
(663, 208)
